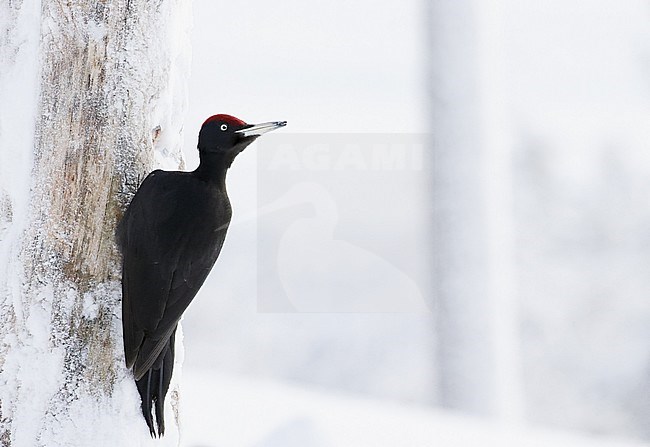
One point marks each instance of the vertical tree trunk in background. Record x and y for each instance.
(92, 98)
(477, 323)
(465, 353)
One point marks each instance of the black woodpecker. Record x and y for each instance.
(170, 237)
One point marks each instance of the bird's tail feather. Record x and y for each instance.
(153, 388)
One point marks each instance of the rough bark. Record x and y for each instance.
(111, 96)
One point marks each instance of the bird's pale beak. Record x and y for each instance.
(255, 130)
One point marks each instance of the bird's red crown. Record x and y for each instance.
(233, 121)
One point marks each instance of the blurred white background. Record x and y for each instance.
(523, 227)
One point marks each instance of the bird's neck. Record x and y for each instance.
(213, 167)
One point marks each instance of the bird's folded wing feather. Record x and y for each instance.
(169, 246)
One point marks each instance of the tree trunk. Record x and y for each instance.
(95, 92)
(473, 222)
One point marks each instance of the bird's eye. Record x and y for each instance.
(224, 127)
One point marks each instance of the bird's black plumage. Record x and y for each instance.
(170, 237)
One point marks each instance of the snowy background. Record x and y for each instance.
(349, 338)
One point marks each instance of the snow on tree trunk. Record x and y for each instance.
(93, 97)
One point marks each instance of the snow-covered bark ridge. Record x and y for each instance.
(93, 96)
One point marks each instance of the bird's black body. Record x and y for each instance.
(170, 237)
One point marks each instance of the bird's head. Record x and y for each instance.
(229, 135)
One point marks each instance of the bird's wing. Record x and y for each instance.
(169, 241)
